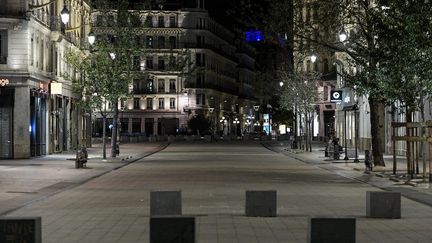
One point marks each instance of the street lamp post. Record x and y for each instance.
(345, 135)
(356, 160)
(212, 123)
(236, 122)
(223, 122)
(91, 38)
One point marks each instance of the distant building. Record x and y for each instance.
(219, 84)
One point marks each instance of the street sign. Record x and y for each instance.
(336, 96)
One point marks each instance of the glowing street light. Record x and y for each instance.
(64, 14)
(91, 38)
(343, 36)
(313, 58)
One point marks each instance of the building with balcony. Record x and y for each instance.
(192, 66)
(38, 110)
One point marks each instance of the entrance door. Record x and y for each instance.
(329, 123)
(5, 132)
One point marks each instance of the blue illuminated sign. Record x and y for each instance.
(253, 36)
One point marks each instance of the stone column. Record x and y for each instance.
(21, 124)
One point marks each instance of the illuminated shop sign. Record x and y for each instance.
(336, 96)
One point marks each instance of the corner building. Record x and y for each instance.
(219, 83)
(38, 111)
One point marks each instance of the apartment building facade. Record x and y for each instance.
(38, 110)
(215, 81)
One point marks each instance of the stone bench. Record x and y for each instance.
(261, 203)
(165, 203)
(19, 229)
(383, 204)
(332, 230)
(172, 229)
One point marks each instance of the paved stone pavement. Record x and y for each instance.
(26, 180)
(213, 178)
(381, 177)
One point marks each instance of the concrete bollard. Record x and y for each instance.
(383, 205)
(332, 230)
(172, 229)
(20, 229)
(261, 203)
(165, 203)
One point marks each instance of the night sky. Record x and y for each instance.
(230, 13)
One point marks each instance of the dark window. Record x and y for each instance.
(199, 81)
(200, 41)
(136, 103)
(172, 42)
(200, 99)
(161, 63)
(149, 63)
(172, 21)
(200, 60)
(172, 85)
(161, 21)
(161, 42)
(149, 103)
(138, 86)
(173, 63)
(161, 85)
(149, 21)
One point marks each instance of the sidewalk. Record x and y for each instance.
(25, 181)
(416, 189)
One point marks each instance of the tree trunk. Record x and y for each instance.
(377, 113)
(114, 131)
(104, 136)
(310, 132)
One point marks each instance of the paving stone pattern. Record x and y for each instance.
(213, 178)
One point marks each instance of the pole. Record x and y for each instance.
(345, 135)
(356, 160)
(394, 151)
(430, 155)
